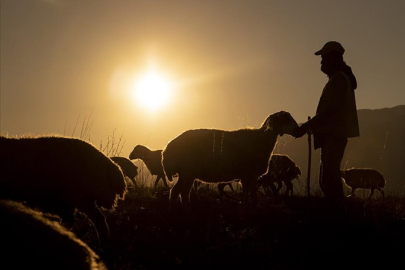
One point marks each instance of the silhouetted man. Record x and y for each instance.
(335, 120)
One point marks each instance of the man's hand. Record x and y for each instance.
(301, 131)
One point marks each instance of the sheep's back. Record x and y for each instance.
(217, 155)
(59, 169)
(363, 178)
(24, 230)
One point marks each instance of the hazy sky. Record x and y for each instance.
(231, 63)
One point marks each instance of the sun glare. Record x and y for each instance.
(152, 90)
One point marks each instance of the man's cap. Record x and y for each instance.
(331, 46)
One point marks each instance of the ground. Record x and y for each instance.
(280, 233)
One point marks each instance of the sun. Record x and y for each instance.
(152, 90)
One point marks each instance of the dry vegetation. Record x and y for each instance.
(281, 233)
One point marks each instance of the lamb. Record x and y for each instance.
(60, 175)
(366, 178)
(213, 156)
(31, 241)
(152, 160)
(129, 169)
(221, 186)
(281, 169)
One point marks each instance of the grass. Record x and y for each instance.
(280, 233)
(111, 147)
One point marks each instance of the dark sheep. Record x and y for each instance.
(366, 178)
(31, 241)
(152, 160)
(213, 156)
(129, 169)
(281, 169)
(60, 175)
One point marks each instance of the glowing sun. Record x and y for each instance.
(152, 90)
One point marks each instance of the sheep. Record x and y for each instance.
(365, 178)
(281, 168)
(213, 156)
(31, 241)
(221, 186)
(152, 160)
(129, 169)
(61, 175)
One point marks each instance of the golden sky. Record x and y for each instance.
(230, 63)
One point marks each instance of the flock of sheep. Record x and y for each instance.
(60, 175)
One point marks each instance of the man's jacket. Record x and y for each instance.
(336, 113)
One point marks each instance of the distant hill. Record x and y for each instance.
(381, 146)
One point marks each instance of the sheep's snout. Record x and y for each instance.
(290, 126)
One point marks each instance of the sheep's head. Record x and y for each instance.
(297, 171)
(132, 172)
(139, 152)
(128, 167)
(281, 122)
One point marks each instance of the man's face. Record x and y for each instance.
(328, 64)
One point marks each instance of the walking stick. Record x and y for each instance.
(309, 162)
